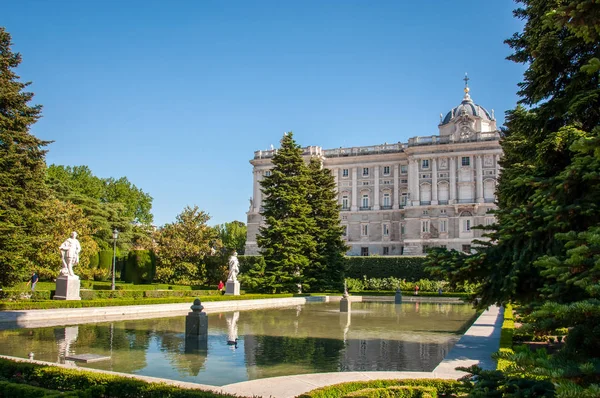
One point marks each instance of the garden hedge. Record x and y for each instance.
(506, 338)
(92, 384)
(395, 392)
(140, 267)
(33, 305)
(445, 388)
(402, 267)
(105, 258)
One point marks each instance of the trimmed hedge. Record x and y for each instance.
(395, 392)
(17, 390)
(27, 294)
(445, 388)
(140, 267)
(402, 267)
(102, 294)
(90, 383)
(105, 258)
(36, 305)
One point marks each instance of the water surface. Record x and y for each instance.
(270, 342)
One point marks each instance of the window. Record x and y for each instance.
(466, 225)
(401, 229)
(344, 230)
(425, 163)
(365, 171)
(489, 221)
(403, 169)
(344, 172)
(345, 202)
(466, 161)
(364, 230)
(386, 170)
(386, 230)
(443, 211)
(344, 218)
(365, 200)
(386, 250)
(443, 247)
(364, 251)
(425, 212)
(425, 226)
(386, 200)
(404, 199)
(365, 182)
(466, 248)
(386, 182)
(403, 181)
(425, 249)
(268, 173)
(443, 226)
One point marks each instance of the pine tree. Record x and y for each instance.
(286, 240)
(22, 170)
(544, 252)
(326, 270)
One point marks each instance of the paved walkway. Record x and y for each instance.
(475, 347)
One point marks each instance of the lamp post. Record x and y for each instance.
(115, 237)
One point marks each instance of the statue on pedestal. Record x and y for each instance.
(70, 254)
(234, 268)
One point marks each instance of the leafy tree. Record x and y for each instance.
(544, 252)
(22, 168)
(233, 236)
(60, 219)
(182, 247)
(286, 240)
(326, 270)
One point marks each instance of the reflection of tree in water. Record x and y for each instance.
(321, 354)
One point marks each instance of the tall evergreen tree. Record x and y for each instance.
(326, 270)
(286, 240)
(544, 250)
(22, 170)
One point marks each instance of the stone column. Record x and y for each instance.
(396, 204)
(497, 166)
(376, 193)
(452, 176)
(434, 178)
(479, 178)
(255, 194)
(354, 206)
(413, 179)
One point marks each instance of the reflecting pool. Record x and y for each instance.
(270, 342)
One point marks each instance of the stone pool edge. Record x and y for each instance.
(476, 346)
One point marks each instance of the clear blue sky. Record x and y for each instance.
(177, 95)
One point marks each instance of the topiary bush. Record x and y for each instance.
(105, 258)
(140, 267)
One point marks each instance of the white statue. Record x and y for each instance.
(70, 254)
(234, 268)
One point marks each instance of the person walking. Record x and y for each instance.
(416, 290)
(34, 280)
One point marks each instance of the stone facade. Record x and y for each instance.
(400, 199)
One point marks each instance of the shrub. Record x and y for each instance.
(140, 267)
(408, 268)
(395, 392)
(93, 384)
(252, 274)
(105, 258)
(444, 388)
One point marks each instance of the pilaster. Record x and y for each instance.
(452, 176)
(376, 193)
(434, 185)
(354, 206)
(396, 204)
(479, 178)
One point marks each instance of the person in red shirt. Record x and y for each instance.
(221, 286)
(416, 290)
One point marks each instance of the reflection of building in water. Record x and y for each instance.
(64, 338)
(379, 354)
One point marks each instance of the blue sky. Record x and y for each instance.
(177, 95)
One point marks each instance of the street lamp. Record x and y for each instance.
(115, 237)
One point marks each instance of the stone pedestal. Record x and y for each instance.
(345, 304)
(196, 323)
(67, 288)
(398, 297)
(232, 288)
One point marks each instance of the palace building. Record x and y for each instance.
(401, 199)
